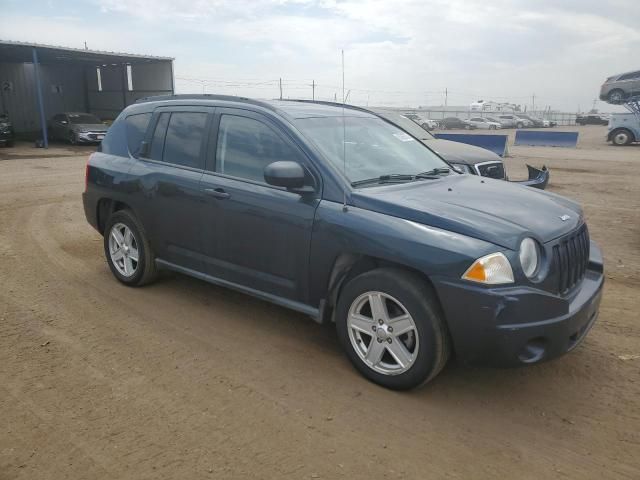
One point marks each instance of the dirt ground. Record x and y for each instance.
(184, 380)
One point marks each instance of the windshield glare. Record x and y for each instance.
(79, 118)
(373, 147)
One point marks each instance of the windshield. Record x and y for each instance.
(80, 118)
(404, 123)
(373, 147)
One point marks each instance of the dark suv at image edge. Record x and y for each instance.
(343, 216)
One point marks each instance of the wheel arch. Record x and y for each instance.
(107, 207)
(615, 131)
(350, 265)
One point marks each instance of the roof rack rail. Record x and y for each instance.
(330, 104)
(204, 96)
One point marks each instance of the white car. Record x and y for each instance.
(484, 123)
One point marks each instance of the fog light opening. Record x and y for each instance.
(533, 351)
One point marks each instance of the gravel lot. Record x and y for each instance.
(184, 380)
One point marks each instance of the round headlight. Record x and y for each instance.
(529, 256)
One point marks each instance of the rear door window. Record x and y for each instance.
(136, 128)
(184, 138)
(629, 76)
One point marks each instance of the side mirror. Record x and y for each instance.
(289, 175)
(63, 122)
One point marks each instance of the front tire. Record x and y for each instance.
(519, 125)
(621, 138)
(389, 324)
(127, 250)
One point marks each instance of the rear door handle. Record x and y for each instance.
(217, 193)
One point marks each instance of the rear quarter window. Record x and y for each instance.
(136, 129)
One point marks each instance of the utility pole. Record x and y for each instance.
(313, 90)
(280, 88)
(533, 103)
(446, 95)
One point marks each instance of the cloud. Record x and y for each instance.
(401, 52)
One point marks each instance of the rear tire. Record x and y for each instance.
(128, 251)
(420, 338)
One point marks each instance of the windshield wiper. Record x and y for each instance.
(433, 173)
(389, 178)
(403, 177)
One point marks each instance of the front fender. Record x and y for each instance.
(354, 232)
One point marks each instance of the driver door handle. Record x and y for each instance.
(217, 193)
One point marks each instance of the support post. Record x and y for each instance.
(43, 120)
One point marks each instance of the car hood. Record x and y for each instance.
(491, 210)
(456, 152)
(92, 127)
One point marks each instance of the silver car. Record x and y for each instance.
(484, 123)
(620, 87)
(77, 127)
(515, 121)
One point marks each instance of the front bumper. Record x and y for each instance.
(90, 137)
(538, 177)
(513, 326)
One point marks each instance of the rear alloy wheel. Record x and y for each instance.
(389, 325)
(616, 96)
(621, 138)
(127, 249)
(519, 125)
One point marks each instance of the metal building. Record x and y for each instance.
(38, 81)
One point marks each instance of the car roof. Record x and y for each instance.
(295, 109)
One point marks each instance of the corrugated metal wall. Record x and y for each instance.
(64, 89)
(147, 80)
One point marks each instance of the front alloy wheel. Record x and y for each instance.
(389, 323)
(383, 333)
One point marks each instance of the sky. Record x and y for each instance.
(551, 53)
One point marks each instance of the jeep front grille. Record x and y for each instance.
(570, 258)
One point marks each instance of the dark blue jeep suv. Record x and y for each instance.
(345, 217)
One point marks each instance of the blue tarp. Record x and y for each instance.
(545, 138)
(495, 143)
